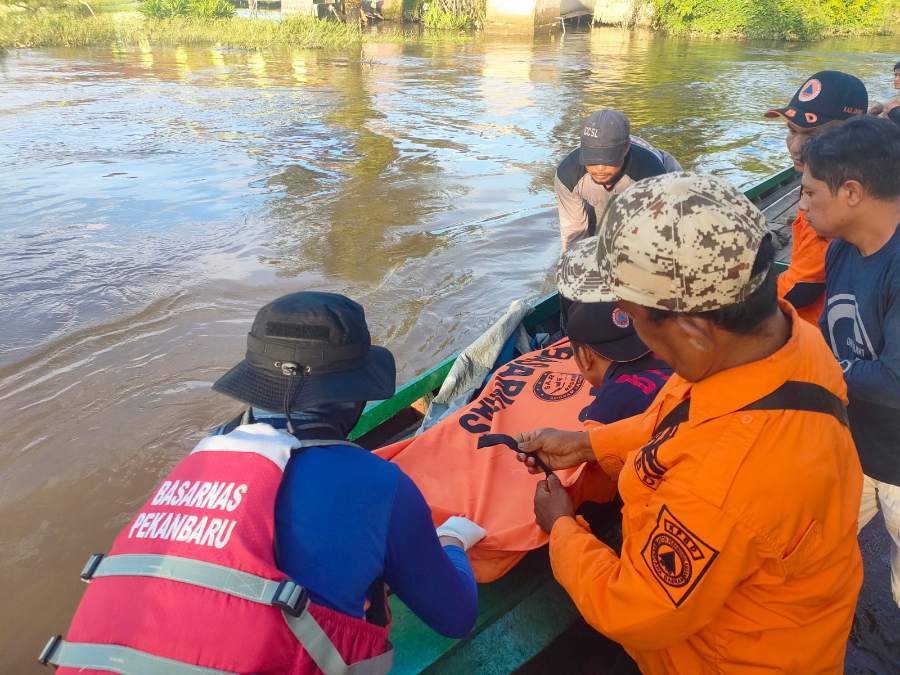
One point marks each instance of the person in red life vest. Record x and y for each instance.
(827, 99)
(623, 373)
(268, 548)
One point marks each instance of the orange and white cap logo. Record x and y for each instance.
(809, 91)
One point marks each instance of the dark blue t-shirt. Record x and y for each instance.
(628, 389)
(346, 519)
(861, 324)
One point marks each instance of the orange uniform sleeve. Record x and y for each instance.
(674, 575)
(611, 443)
(803, 283)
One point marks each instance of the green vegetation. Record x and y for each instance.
(83, 23)
(207, 9)
(42, 29)
(791, 19)
(453, 14)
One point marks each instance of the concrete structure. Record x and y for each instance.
(521, 16)
(388, 9)
(623, 12)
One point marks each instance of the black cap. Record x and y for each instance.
(310, 348)
(826, 96)
(605, 136)
(603, 327)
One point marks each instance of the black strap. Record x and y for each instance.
(490, 440)
(792, 395)
(804, 396)
(805, 293)
(378, 612)
(676, 416)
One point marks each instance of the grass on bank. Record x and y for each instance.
(457, 15)
(42, 29)
(775, 19)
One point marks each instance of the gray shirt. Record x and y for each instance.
(582, 202)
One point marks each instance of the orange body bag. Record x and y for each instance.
(466, 464)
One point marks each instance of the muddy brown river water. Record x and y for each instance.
(151, 200)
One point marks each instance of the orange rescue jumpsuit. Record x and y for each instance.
(803, 282)
(740, 552)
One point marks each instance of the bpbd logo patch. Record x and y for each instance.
(557, 386)
(810, 90)
(677, 558)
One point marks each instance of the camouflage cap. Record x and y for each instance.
(680, 242)
(578, 275)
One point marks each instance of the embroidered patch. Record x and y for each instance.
(620, 318)
(557, 386)
(676, 557)
(810, 90)
(646, 461)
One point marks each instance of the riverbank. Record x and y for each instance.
(800, 20)
(44, 29)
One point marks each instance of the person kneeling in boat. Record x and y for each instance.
(269, 547)
(740, 483)
(624, 374)
(608, 160)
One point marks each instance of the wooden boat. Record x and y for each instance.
(522, 613)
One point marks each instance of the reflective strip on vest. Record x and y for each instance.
(244, 585)
(208, 575)
(320, 649)
(118, 659)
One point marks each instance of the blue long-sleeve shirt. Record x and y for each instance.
(628, 389)
(346, 518)
(861, 324)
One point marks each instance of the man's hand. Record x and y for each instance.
(557, 449)
(551, 502)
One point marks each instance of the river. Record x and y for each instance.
(153, 199)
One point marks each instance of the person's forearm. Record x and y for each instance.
(874, 382)
(450, 541)
(573, 218)
(433, 577)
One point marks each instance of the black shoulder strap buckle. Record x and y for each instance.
(378, 612)
(48, 650)
(91, 567)
(291, 597)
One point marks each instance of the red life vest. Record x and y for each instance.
(191, 584)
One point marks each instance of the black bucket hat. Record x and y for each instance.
(604, 327)
(306, 349)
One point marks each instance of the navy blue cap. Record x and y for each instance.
(604, 327)
(827, 96)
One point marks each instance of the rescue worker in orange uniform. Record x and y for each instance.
(824, 101)
(740, 482)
